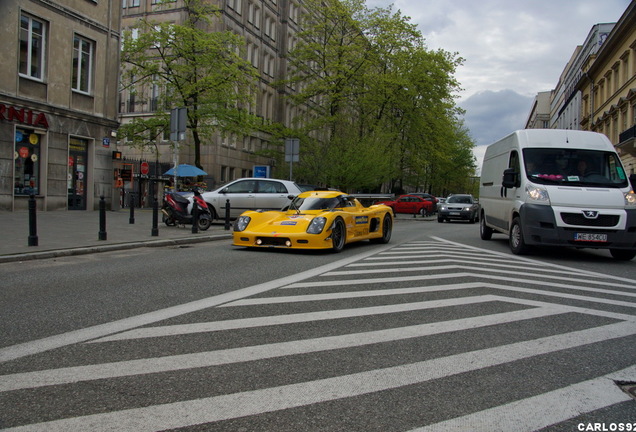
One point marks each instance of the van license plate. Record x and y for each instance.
(590, 237)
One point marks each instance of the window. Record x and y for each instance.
(83, 51)
(234, 4)
(27, 162)
(254, 15)
(32, 47)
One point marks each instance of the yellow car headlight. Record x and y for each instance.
(241, 223)
(316, 225)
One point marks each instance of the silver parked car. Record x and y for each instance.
(461, 207)
(250, 194)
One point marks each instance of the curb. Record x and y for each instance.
(108, 248)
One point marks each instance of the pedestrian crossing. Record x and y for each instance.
(392, 339)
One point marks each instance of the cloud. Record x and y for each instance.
(490, 115)
(507, 44)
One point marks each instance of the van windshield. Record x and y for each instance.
(574, 167)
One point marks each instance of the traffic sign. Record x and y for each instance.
(145, 168)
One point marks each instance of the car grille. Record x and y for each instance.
(600, 221)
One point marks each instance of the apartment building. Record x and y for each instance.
(268, 27)
(566, 102)
(539, 117)
(608, 88)
(58, 102)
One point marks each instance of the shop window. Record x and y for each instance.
(27, 162)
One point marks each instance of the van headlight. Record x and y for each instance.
(316, 225)
(630, 199)
(241, 223)
(538, 194)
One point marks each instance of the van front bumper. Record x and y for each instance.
(609, 229)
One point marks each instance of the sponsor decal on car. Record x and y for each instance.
(289, 222)
(362, 220)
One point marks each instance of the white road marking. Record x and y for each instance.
(82, 335)
(181, 329)
(532, 276)
(456, 275)
(230, 406)
(258, 352)
(540, 411)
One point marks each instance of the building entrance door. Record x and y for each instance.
(76, 183)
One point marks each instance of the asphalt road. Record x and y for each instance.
(437, 330)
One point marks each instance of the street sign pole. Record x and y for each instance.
(178, 121)
(292, 150)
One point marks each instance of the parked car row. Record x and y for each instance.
(273, 194)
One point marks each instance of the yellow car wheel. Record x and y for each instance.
(387, 229)
(338, 235)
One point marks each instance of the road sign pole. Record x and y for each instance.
(178, 122)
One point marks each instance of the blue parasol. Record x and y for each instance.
(185, 170)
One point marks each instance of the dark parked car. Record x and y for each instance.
(460, 206)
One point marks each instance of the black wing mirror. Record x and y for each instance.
(510, 178)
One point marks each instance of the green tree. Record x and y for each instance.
(196, 67)
(380, 106)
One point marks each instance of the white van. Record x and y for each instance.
(547, 187)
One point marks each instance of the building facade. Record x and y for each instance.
(608, 89)
(268, 27)
(566, 103)
(539, 117)
(58, 102)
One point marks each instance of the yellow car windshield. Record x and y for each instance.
(314, 203)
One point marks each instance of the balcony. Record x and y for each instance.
(627, 141)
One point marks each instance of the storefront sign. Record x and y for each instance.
(23, 116)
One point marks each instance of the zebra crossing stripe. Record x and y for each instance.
(181, 329)
(33, 347)
(230, 406)
(540, 411)
(258, 352)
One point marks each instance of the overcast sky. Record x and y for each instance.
(513, 49)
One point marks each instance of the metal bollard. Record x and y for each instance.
(195, 217)
(131, 201)
(155, 218)
(227, 215)
(33, 226)
(102, 219)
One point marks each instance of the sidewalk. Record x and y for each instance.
(68, 232)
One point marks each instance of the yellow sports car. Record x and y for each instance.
(315, 220)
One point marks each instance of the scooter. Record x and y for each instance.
(175, 210)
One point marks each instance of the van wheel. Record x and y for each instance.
(518, 245)
(623, 254)
(484, 231)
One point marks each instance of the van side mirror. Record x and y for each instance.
(510, 178)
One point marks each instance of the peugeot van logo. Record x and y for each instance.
(590, 214)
